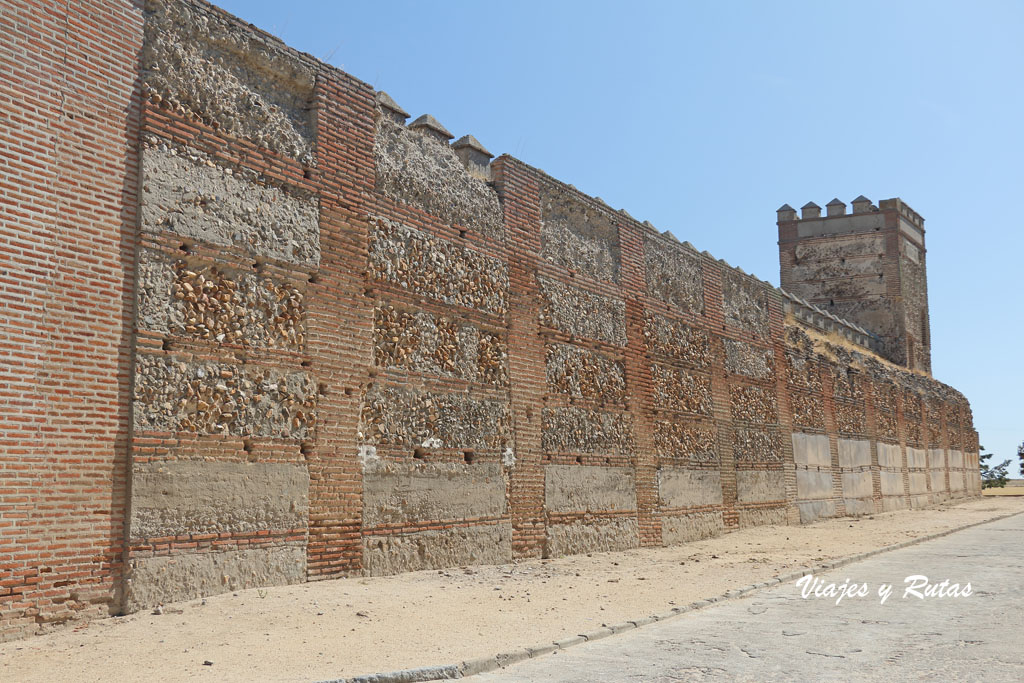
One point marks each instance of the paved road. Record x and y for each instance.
(776, 634)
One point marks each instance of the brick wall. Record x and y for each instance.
(68, 191)
(328, 344)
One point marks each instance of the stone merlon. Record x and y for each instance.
(786, 213)
(836, 208)
(810, 210)
(862, 205)
(386, 103)
(429, 125)
(474, 156)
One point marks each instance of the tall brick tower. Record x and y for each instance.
(867, 267)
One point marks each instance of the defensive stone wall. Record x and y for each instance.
(328, 342)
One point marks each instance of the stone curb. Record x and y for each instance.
(471, 667)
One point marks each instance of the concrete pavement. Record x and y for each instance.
(776, 634)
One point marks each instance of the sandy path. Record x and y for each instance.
(352, 626)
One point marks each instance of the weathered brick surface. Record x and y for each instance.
(68, 197)
(319, 301)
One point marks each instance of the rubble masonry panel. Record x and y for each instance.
(436, 268)
(414, 418)
(679, 441)
(235, 79)
(573, 429)
(205, 397)
(441, 345)
(854, 453)
(813, 484)
(677, 340)
(407, 493)
(415, 168)
(748, 360)
(811, 449)
(589, 488)
(584, 373)
(581, 313)
(745, 303)
(578, 237)
(185, 576)
(185, 192)
(183, 497)
(681, 390)
(674, 274)
(437, 549)
(202, 301)
(681, 488)
(593, 535)
(760, 486)
(676, 529)
(857, 485)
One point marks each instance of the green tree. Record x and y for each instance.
(995, 477)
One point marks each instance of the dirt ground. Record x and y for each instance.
(345, 627)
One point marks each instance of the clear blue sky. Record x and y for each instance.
(704, 118)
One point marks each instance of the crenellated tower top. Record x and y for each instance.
(866, 267)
